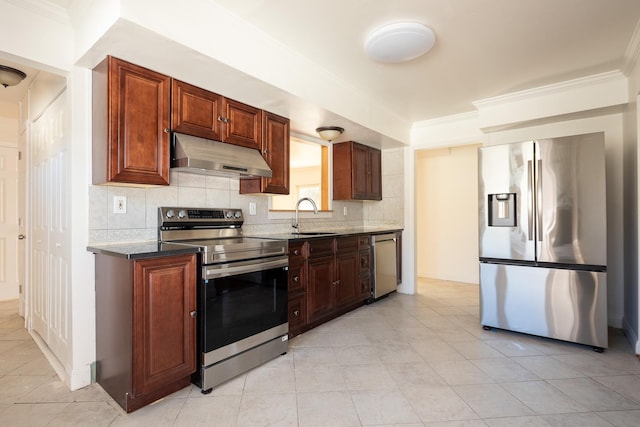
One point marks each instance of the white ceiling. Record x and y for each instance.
(484, 48)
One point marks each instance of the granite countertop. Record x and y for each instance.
(316, 234)
(139, 250)
(152, 248)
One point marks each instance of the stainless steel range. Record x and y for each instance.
(241, 292)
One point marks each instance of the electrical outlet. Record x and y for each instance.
(119, 204)
(345, 211)
(252, 208)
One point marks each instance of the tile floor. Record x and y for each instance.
(407, 361)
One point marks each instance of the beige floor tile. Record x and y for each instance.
(475, 349)
(330, 408)
(13, 388)
(414, 374)
(319, 378)
(367, 377)
(581, 420)
(543, 398)
(376, 407)
(547, 367)
(438, 403)
(30, 414)
(626, 385)
(491, 400)
(622, 418)
(402, 353)
(530, 421)
(266, 379)
(276, 409)
(159, 414)
(589, 365)
(314, 356)
(436, 350)
(357, 355)
(82, 414)
(223, 410)
(504, 369)
(514, 347)
(460, 372)
(593, 395)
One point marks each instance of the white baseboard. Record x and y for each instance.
(632, 336)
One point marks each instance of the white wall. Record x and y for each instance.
(447, 213)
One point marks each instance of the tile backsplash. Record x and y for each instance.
(140, 222)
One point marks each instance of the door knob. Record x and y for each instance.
(21, 237)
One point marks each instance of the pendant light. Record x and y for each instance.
(10, 76)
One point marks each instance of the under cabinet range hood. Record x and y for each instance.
(207, 157)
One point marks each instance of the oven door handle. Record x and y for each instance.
(222, 270)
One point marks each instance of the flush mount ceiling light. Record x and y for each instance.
(10, 76)
(329, 133)
(399, 42)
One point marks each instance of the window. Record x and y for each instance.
(309, 176)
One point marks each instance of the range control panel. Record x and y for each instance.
(208, 217)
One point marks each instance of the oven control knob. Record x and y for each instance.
(228, 214)
(238, 214)
(182, 214)
(170, 213)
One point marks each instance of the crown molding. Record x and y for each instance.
(44, 8)
(632, 55)
(552, 89)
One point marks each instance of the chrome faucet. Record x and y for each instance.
(296, 224)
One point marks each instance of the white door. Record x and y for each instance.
(50, 283)
(8, 223)
(22, 229)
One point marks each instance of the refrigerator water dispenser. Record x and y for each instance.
(502, 210)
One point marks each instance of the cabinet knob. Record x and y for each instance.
(266, 152)
(296, 279)
(21, 237)
(193, 314)
(296, 313)
(296, 252)
(220, 119)
(166, 130)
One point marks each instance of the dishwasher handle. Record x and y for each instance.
(383, 238)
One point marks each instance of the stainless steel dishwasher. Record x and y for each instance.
(385, 271)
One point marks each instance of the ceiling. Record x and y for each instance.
(483, 48)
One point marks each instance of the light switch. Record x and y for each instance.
(119, 204)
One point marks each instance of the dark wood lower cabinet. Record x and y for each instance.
(145, 327)
(325, 281)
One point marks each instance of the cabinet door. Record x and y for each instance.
(139, 108)
(347, 283)
(243, 124)
(195, 111)
(374, 175)
(275, 150)
(320, 287)
(360, 172)
(297, 314)
(164, 349)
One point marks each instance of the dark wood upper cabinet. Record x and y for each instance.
(275, 150)
(202, 113)
(357, 172)
(195, 111)
(242, 124)
(131, 116)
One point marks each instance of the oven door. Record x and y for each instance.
(241, 300)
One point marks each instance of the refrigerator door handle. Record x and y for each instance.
(539, 200)
(530, 204)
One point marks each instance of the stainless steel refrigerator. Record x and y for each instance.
(543, 238)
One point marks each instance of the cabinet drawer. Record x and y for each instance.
(297, 314)
(320, 247)
(364, 241)
(297, 252)
(297, 279)
(365, 287)
(346, 244)
(365, 262)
